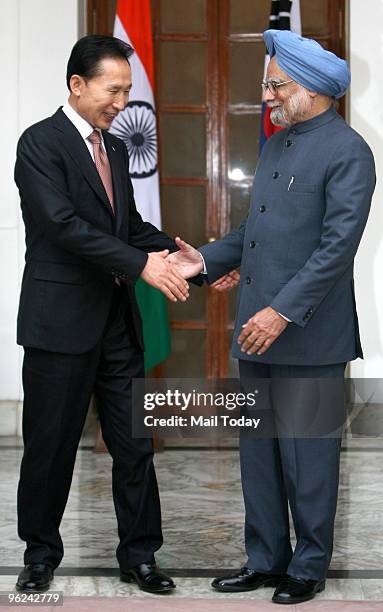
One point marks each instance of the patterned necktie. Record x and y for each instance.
(102, 165)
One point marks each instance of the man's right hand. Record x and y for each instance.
(187, 261)
(159, 273)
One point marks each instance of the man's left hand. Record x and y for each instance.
(261, 331)
(227, 282)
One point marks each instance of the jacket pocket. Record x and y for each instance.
(59, 273)
(303, 187)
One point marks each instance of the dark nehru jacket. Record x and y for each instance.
(309, 206)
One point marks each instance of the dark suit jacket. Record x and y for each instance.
(309, 205)
(75, 246)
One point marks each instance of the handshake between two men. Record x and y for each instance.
(169, 272)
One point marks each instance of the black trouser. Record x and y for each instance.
(288, 467)
(57, 392)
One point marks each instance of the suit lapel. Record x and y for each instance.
(75, 146)
(117, 176)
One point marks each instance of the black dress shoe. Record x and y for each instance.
(296, 590)
(34, 578)
(245, 580)
(149, 578)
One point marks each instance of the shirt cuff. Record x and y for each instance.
(204, 271)
(283, 317)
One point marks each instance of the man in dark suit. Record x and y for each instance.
(78, 321)
(296, 316)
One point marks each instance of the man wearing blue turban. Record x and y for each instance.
(296, 315)
(307, 63)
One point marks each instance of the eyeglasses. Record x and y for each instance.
(273, 86)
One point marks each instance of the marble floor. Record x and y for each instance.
(202, 521)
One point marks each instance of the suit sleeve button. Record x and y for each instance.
(252, 244)
(262, 208)
(248, 280)
(276, 175)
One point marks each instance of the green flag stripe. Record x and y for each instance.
(152, 304)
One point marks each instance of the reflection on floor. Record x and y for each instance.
(203, 524)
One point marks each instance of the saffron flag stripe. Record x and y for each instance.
(135, 19)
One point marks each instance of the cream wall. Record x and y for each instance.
(35, 40)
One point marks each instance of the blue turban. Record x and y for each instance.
(307, 63)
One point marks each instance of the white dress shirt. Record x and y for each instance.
(82, 126)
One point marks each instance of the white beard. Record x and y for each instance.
(293, 110)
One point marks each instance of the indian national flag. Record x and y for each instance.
(284, 15)
(136, 126)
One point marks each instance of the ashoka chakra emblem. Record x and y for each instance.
(136, 126)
